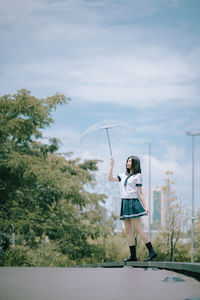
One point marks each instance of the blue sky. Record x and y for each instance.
(134, 60)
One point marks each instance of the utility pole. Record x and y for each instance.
(192, 134)
(149, 232)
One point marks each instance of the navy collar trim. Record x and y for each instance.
(127, 178)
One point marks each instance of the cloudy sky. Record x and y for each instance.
(135, 61)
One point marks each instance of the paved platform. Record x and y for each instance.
(95, 283)
(190, 269)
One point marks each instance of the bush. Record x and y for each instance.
(4, 243)
(46, 255)
(15, 256)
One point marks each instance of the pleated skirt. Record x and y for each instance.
(131, 208)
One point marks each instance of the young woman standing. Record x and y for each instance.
(133, 205)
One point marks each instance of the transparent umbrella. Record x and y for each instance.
(106, 125)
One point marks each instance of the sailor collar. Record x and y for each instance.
(127, 178)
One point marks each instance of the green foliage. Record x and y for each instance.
(170, 241)
(171, 233)
(44, 199)
(41, 192)
(161, 244)
(116, 248)
(15, 256)
(45, 255)
(197, 238)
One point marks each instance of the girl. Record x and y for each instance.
(133, 205)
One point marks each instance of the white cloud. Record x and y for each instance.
(181, 175)
(82, 10)
(89, 52)
(107, 52)
(175, 152)
(131, 80)
(66, 133)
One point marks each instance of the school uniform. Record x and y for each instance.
(131, 207)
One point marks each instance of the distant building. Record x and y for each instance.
(159, 208)
(156, 213)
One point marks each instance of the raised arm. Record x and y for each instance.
(110, 174)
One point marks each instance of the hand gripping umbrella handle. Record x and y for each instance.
(109, 141)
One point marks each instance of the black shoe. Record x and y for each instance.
(152, 254)
(130, 259)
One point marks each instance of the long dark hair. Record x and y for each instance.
(135, 165)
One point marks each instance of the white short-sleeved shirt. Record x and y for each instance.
(129, 185)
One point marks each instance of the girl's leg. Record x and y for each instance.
(138, 228)
(131, 241)
(129, 232)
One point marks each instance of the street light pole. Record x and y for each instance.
(149, 233)
(189, 133)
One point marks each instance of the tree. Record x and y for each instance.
(42, 193)
(172, 227)
(22, 116)
(197, 237)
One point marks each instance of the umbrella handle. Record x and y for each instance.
(109, 142)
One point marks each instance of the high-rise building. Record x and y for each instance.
(156, 213)
(159, 208)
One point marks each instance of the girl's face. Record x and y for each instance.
(129, 163)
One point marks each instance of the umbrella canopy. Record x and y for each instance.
(106, 125)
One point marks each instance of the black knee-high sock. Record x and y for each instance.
(133, 251)
(149, 246)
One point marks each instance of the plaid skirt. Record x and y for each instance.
(131, 208)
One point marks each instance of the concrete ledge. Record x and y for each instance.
(181, 267)
(195, 267)
(112, 265)
(103, 265)
(185, 268)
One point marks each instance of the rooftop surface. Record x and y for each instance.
(17, 283)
